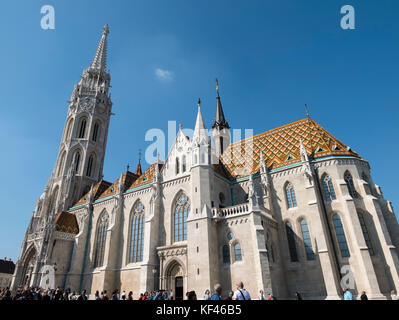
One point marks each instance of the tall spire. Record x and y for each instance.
(200, 132)
(100, 59)
(220, 121)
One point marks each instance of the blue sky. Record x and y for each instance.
(271, 57)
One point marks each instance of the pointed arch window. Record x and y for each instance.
(77, 161)
(137, 234)
(69, 129)
(329, 191)
(101, 238)
(226, 254)
(290, 194)
(61, 164)
(340, 233)
(291, 242)
(365, 232)
(184, 164)
(237, 252)
(90, 166)
(307, 241)
(95, 132)
(177, 165)
(349, 183)
(182, 210)
(82, 129)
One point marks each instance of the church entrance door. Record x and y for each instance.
(179, 288)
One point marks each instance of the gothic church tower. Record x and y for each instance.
(79, 163)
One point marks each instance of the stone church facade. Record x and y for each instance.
(284, 211)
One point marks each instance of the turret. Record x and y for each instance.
(220, 127)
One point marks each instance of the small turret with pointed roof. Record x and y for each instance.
(200, 135)
(139, 171)
(220, 121)
(220, 127)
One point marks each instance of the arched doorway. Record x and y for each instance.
(174, 279)
(28, 266)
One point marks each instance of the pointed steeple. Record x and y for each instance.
(220, 121)
(138, 171)
(100, 58)
(200, 132)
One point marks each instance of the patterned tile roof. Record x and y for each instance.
(281, 147)
(128, 178)
(66, 222)
(98, 189)
(146, 177)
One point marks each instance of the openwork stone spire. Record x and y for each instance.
(100, 59)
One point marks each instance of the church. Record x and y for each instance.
(289, 210)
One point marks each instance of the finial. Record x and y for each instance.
(217, 86)
(127, 167)
(106, 29)
(199, 102)
(140, 156)
(307, 111)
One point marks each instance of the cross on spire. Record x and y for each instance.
(307, 111)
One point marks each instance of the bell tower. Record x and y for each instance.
(79, 164)
(82, 149)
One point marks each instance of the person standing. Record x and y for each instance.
(97, 296)
(218, 292)
(171, 294)
(364, 296)
(347, 294)
(298, 296)
(83, 296)
(261, 295)
(394, 296)
(241, 293)
(207, 295)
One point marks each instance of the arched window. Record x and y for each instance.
(77, 160)
(90, 166)
(290, 194)
(349, 183)
(184, 164)
(366, 234)
(177, 165)
(95, 132)
(226, 254)
(101, 238)
(307, 240)
(291, 242)
(182, 211)
(328, 188)
(340, 233)
(237, 252)
(137, 234)
(68, 130)
(61, 164)
(82, 129)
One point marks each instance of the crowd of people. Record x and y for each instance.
(36, 293)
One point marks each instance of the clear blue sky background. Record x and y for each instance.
(271, 57)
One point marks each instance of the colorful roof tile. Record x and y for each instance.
(98, 189)
(66, 222)
(281, 147)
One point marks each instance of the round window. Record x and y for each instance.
(230, 235)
